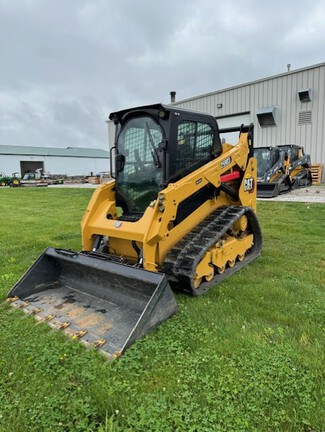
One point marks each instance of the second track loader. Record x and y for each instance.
(180, 213)
(299, 165)
(272, 171)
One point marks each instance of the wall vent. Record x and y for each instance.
(267, 116)
(304, 117)
(304, 95)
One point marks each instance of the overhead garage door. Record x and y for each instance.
(233, 121)
(30, 166)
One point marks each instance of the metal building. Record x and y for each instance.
(70, 161)
(288, 108)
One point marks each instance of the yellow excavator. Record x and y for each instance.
(179, 213)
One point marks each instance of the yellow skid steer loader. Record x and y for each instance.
(179, 213)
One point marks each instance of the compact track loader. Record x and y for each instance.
(272, 172)
(299, 165)
(180, 213)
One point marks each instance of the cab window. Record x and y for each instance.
(194, 145)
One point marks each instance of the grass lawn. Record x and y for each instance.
(247, 356)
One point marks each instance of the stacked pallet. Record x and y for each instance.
(316, 173)
(93, 180)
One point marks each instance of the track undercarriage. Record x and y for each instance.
(223, 243)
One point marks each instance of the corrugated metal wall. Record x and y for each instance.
(56, 165)
(280, 91)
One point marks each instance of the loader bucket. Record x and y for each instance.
(267, 190)
(106, 305)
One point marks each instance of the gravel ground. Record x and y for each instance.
(312, 194)
(75, 185)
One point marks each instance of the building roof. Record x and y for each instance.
(291, 72)
(80, 152)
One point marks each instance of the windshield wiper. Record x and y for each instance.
(154, 151)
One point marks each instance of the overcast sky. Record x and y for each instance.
(66, 64)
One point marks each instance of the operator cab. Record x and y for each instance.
(156, 145)
(266, 157)
(292, 151)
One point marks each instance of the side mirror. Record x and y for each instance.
(119, 162)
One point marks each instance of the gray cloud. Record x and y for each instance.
(66, 65)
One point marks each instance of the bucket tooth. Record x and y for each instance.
(12, 299)
(47, 318)
(23, 305)
(35, 311)
(79, 334)
(99, 343)
(63, 325)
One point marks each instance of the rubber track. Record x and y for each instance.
(181, 262)
(302, 179)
